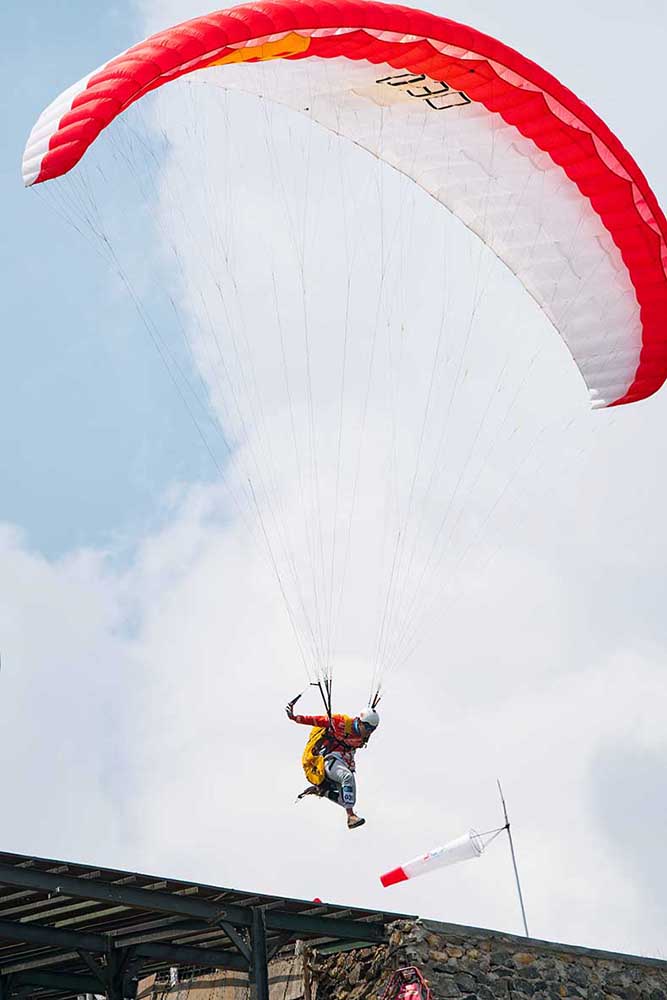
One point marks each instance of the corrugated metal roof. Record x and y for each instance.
(63, 924)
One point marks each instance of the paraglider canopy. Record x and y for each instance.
(351, 64)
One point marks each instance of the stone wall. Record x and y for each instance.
(464, 963)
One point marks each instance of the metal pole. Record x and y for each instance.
(121, 966)
(516, 870)
(259, 970)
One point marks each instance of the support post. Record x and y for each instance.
(514, 864)
(6, 984)
(259, 967)
(114, 973)
(121, 964)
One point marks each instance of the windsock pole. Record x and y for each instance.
(514, 865)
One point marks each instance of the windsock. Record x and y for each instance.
(468, 846)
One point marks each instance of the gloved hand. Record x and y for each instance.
(289, 708)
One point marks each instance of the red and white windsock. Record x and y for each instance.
(470, 845)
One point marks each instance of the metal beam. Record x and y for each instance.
(237, 939)
(34, 934)
(145, 899)
(259, 969)
(300, 923)
(103, 944)
(118, 985)
(43, 960)
(171, 931)
(182, 954)
(95, 967)
(152, 923)
(132, 972)
(63, 981)
(280, 942)
(114, 979)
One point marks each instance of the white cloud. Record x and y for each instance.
(64, 680)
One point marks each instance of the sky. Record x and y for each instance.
(146, 654)
(104, 481)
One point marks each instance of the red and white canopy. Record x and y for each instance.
(496, 139)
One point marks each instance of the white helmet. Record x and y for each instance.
(370, 718)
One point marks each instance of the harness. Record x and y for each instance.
(332, 743)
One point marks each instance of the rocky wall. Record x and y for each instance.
(470, 964)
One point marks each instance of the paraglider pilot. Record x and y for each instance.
(328, 759)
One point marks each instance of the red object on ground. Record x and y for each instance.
(407, 984)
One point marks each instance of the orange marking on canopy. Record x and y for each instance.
(290, 45)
